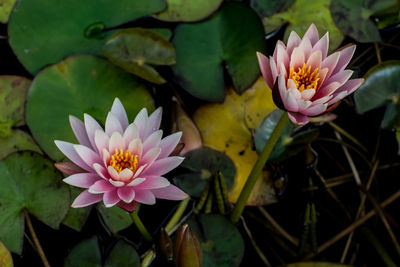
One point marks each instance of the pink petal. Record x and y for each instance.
(68, 168)
(101, 171)
(126, 194)
(168, 144)
(110, 198)
(330, 63)
(282, 87)
(101, 186)
(303, 105)
(322, 75)
(136, 181)
(307, 94)
(83, 180)
(130, 133)
(141, 121)
(306, 47)
(297, 59)
(87, 155)
(136, 148)
(91, 126)
(153, 123)
(296, 93)
(162, 166)
(125, 175)
(150, 156)
(337, 97)
(314, 60)
(298, 118)
(322, 45)
(129, 207)
(170, 192)
(345, 56)
(265, 69)
(312, 34)
(113, 173)
(145, 197)
(340, 77)
(315, 110)
(116, 143)
(282, 70)
(106, 157)
(139, 171)
(350, 86)
(291, 84)
(85, 199)
(290, 102)
(153, 182)
(116, 183)
(79, 130)
(152, 141)
(274, 71)
(293, 41)
(119, 111)
(68, 150)
(101, 139)
(282, 56)
(113, 124)
(326, 90)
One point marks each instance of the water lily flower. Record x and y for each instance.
(188, 251)
(305, 81)
(124, 163)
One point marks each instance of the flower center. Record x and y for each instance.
(123, 160)
(304, 78)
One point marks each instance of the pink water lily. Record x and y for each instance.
(125, 162)
(305, 81)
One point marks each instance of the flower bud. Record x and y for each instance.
(188, 252)
(165, 245)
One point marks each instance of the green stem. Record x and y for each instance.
(257, 168)
(140, 226)
(177, 215)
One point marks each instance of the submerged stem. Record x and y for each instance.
(36, 240)
(257, 168)
(140, 226)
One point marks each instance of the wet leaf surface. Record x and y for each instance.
(115, 218)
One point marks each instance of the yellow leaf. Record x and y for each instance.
(229, 127)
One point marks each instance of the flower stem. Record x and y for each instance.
(140, 226)
(257, 168)
(36, 240)
(177, 215)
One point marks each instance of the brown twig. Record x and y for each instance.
(378, 53)
(352, 226)
(35, 239)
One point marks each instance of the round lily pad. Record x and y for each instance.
(194, 10)
(5, 256)
(29, 181)
(381, 87)
(138, 50)
(44, 32)
(80, 84)
(354, 17)
(301, 14)
(121, 255)
(204, 48)
(115, 218)
(266, 8)
(17, 141)
(76, 218)
(221, 242)
(87, 253)
(203, 163)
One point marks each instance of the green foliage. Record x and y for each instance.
(381, 87)
(115, 218)
(6, 7)
(29, 181)
(44, 32)
(76, 218)
(204, 48)
(77, 85)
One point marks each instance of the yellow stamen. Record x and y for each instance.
(123, 160)
(303, 78)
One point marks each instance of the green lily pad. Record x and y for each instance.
(354, 17)
(6, 7)
(29, 181)
(122, 255)
(17, 141)
(221, 242)
(115, 218)
(301, 14)
(266, 8)
(288, 144)
(76, 218)
(44, 32)
(138, 50)
(5, 256)
(77, 85)
(202, 164)
(204, 48)
(86, 253)
(194, 10)
(381, 87)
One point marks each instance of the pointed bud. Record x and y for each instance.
(165, 245)
(188, 252)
